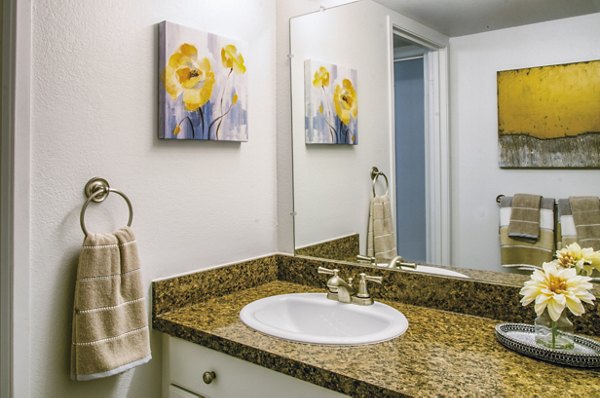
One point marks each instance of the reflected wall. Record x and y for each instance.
(349, 34)
(332, 185)
(476, 179)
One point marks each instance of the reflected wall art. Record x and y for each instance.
(331, 104)
(203, 89)
(549, 116)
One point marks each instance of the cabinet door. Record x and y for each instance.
(187, 362)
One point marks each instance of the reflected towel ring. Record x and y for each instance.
(97, 190)
(375, 173)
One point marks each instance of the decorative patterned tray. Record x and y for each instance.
(520, 337)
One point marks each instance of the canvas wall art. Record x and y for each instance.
(331, 104)
(549, 116)
(203, 89)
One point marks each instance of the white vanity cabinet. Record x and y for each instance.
(186, 363)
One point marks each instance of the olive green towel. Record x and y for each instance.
(525, 217)
(110, 322)
(586, 215)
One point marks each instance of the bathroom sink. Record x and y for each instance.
(312, 318)
(434, 270)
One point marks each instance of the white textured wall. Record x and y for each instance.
(332, 184)
(94, 106)
(476, 177)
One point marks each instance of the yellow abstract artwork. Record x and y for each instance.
(549, 116)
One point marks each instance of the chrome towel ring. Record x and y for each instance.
(97, 190)
(375, 173)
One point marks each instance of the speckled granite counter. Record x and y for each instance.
(442, 353)
(346, 247)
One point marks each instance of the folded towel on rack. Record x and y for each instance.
(381, 237)
(525, 217)
(523, 251)
(110, 323)
(586, 216)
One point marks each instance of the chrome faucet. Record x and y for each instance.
(371, 260)
(339, 289)
(400, 261)
(342, 291)
(363, 297)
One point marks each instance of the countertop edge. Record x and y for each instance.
(300, 370)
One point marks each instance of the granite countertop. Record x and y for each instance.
(442, 353)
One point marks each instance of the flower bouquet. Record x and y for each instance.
(559, 285)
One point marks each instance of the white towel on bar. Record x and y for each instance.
(381, 237)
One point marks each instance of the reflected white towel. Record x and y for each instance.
(546, 218)
(568, 226)
(381, 237)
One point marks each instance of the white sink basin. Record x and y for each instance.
(426, 269)
(312, 318)
(434, 270)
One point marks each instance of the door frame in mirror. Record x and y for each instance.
(437, 140)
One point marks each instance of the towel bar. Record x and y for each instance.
(97, 190)
(499, 199)
(375, 173)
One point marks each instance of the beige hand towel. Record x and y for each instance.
(110, 323)
(525, 217)
(381, 237)
(586, 215)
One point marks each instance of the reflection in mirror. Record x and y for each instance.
(335, 195)
(332, 185)
(409, 148)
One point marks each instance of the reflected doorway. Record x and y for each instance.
(410, 150)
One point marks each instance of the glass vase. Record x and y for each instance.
(557, 335)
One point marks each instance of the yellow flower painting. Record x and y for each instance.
(344, 99)
(331, 104)
(203, 86)
(187, 76)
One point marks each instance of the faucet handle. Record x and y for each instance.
(323, 270)
(362, 284)
(370, 278)
(371, 260)
(334, 282)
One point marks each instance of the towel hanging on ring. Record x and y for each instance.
(110, 323)
(381, 235)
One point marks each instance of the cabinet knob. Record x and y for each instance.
(209, 376)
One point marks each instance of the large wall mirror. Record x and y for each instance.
(427, 119)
